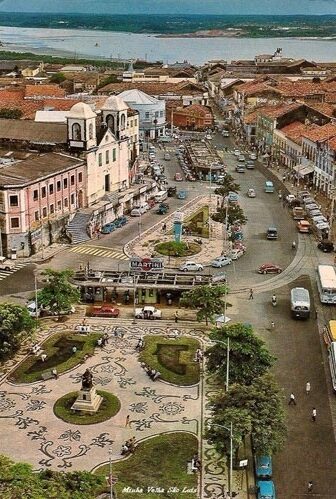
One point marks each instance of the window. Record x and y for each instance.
(51, 188)
(76, 131)
(90, 131)
(107, 157)
(44, 192)
(15, 223)
(58, 185)
(51, 208)
(114, 154)
(146, 115)
(135, 122)
(72, 199)
(65, 183)
(65, 202)
(36, 216)
(80, 177)
(100, 159)
(44, 212)
(156, 114)
(35, 195)
(131, 123)
(123, 122)
(59, 205)
(13, 200)
(72, 180)
(161, 114)
(110, 122)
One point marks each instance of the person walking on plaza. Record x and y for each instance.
(176, 316)
(127, 421)
(272, 324)
(292, 400)
(314, 414)
(310, 486)
(308, 387)
(251, 294)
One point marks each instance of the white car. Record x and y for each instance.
(290, 198)
(6, 264)
(221, 261)
(251, 193)
(241, 158)
(236, 152)
(253, 156)
(148, 312)
(236, 253)
(192, 266)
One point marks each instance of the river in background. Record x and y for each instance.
(109, 44)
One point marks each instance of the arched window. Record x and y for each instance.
(90, 131)
(76, 131)
(110, 122)
(123, 122)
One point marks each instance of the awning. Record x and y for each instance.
(303, 170)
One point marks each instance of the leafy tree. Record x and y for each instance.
(58, 294)
(15, 326)
(227, 185)
(57, 78)
(249, 358)
(260, 403)
(234, 213)
(10, 114)
(106, 81)
(18, 479)
(208, 299)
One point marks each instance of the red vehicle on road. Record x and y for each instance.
(178, 177)
(269, 268)
(105, 311)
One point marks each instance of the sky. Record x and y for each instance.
(272, 7)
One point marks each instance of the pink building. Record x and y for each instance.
(37, 196)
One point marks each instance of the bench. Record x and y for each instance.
(47, 375)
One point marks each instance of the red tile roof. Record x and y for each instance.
(44, 91)
(280, 110)
(294, 131)
(320, 133)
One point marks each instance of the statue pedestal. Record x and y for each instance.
(87, 401)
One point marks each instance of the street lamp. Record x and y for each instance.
(231, 452)
(110, 473)
(35, 288)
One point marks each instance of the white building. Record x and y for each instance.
(152, 112)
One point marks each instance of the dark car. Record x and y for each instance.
(105, 311)
(269, 268)
(326, 246)
(171, 191)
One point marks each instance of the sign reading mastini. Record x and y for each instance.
(178, 216)
(146, 264)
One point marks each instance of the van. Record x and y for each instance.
(272, 233)
(161, 196)
(300, 303)
(298, 213)
(269, 187)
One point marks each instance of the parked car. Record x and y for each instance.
(104, 311)
(45, 311)
(178, 177)
(166, 156)
(236, 152)
(326, 246)
(162, 209)
(240, 169)
(171, 191)
(108, 228)
(251, 193)
(269, 268)
(221, 261)
(241, 158)
(191, 266)
(272, 233)
(266, 489)
(253, 156)
(264, 467)
(121, 221)
(148, 312)
(6, 264)
(236, 253)
(250, 165)
(136, 212)
(290, 198)
(303, 227)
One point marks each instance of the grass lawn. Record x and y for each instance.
(109, 407)
(59, 356)
(173, 358)
(177, 249)
(160, 462)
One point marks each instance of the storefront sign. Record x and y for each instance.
(35, 236)
(146, 264)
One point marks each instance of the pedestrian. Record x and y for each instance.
(292, 399)
(74, 349)
(272, 324)
(127, 421)
(314, 414)
(176, 315)
(310, 486)
(251, 294)
(43, 357)
(308, 388)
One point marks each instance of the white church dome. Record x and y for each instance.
(81, 111)
(114, 103)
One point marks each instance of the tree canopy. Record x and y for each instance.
(234, 214)
(58, 294)
(11, 113)
(227, 185)
(15, 326)
(249, 357)
(209, 300)
(57, 78)
(18, 479)
(255, 409)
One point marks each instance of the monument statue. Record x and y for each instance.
(87, 380)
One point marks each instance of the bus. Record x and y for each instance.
(332, 363)
(269, 187)
(326, 283)
(300, 303)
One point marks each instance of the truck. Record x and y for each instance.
(298, 213)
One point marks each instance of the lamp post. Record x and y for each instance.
(110, 474)
(231, 452)
(35, 288)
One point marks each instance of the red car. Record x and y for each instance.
(269, 268)
(105, 311)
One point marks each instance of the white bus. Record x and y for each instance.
(300, 303)
(332, 363)
(326, 283)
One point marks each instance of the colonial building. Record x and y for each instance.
(194, 117)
